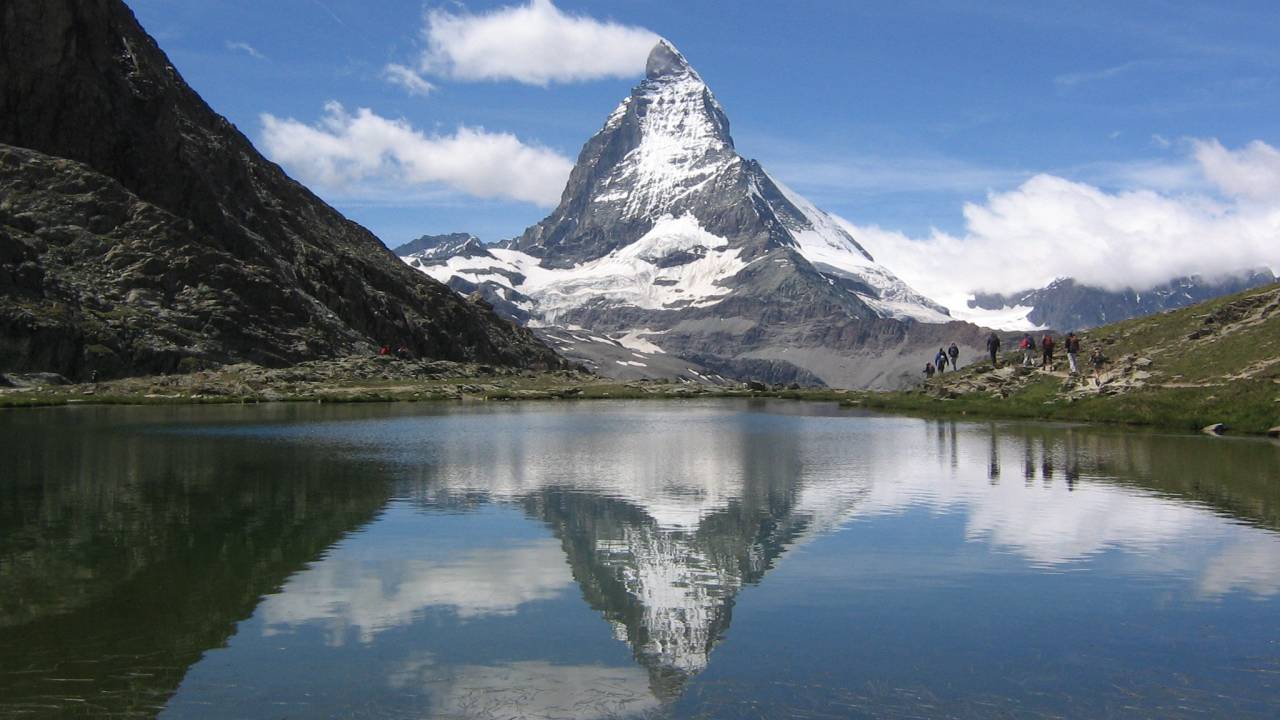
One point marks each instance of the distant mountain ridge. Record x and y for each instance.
(443, 246)
(666, 236)
(1066, 304)
(142, 233)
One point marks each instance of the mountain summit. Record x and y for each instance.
(666, 60)
(667, 236)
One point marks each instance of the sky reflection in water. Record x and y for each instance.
(717, 559)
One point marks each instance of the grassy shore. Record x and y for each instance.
(1216, 362)
(349, 380)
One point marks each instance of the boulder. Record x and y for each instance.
(1214, 429)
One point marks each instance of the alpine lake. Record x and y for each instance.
(615, 559)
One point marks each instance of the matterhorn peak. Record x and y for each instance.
(666, 61)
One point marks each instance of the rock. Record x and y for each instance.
(1274, 432)
(755, 386)
(1142, 362)
(34, 380)
(146, 235)
(1214, 429)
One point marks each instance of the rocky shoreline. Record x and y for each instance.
(367, 379)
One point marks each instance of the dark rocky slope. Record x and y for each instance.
(171, 242)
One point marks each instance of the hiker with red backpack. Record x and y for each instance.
(1046, 352)
(1028, 348)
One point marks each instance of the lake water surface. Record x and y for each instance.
(717, 559)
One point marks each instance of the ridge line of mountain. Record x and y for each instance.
(141, 232)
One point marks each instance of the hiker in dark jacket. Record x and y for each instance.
(929, 371)
(1097, 360)
(940, 360)
(954, 353)
(993, 347)
(1046, 350)
(1073, 352)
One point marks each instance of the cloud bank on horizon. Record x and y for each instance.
(1051, 227)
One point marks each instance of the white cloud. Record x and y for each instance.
(1080, 78)
(535, 44)
(345, 152)
(1252, 172)
(407, 78)
(1051, 227)
(245, 48)
(345, 594)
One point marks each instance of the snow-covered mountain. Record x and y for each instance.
(1066, 304)
(667, 236)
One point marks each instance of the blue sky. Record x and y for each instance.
(893, 115)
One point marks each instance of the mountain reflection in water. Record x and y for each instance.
(455, 561)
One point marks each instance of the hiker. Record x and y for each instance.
(941, 361)
(929, 371)
(1073, 350)
(384, 351)
(993, 347)
(1028, 347)
(1097, 360)
(403, 353)
(954, 353)
(1046, 351)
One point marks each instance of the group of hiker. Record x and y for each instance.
(948, 355)
(1028, 345)
(951, 356)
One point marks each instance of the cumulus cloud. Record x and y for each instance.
(407, 78)
(1051, 227)
(345, 594)
(535, 44)
(1251, 172)
(345, 151)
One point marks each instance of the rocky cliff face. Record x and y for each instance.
(1066, 304)
(667, 236)
(141, 232)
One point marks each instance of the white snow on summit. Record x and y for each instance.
(681, 149)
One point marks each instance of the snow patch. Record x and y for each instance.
(635, 340)
(1006, 318)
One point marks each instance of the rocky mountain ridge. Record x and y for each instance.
(140, 232)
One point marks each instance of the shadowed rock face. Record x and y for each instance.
(170, 242)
